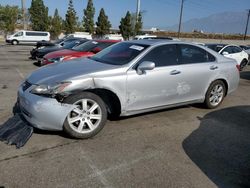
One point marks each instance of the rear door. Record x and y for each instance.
(197, 70)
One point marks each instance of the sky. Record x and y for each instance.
(156, 13)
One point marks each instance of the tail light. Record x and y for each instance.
(238, 67)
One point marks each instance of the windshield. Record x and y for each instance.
(70, 44)
(90, 45)
(120, 54)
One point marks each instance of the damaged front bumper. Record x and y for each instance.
(43, 112)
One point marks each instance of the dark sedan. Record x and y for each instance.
(57, 44)
(43, 51)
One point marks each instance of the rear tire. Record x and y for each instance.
(88, 118)
(215, 94)
(243, 64)
(14, 42)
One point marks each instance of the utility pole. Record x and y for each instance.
(138, 9)
(247, 24)
(179, 30)
(24, 14)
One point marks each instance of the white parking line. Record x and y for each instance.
(100, 174)
(19, 72)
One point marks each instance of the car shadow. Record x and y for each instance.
(245, 75)
(37, 64)
(220, 147)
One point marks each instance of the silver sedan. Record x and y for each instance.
(125, 79)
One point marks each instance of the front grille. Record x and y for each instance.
(26, 85)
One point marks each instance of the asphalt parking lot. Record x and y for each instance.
(181, 147)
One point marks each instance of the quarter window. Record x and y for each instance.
(191, 54)
(164, 55)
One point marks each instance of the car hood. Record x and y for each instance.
(57, 72)
(60, 53)
(49, 48)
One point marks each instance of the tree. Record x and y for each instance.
(88, 18)
(39, 15)
(103, 24)
(138, 25)
(71, 18)
(56, 25)
(126, 26)
(9, 15)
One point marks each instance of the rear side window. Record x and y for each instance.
(191, 54)
(164, 55)
(36, 34)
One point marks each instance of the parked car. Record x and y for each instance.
(234, 52)
(215, 47)
(87, 49)
(127, 78)
(24, 36)
(83, 35)
(40, 50)
(140, 37)
(40, 44)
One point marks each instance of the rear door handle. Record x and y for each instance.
(174, 72)
(213, 67)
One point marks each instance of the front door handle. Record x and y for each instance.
(174, 72)
(213, 67)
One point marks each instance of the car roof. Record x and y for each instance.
(153, 42)
(107, 40)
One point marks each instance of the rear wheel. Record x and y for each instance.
(14, 42)
(215, 94)
(87, 118)
(243, 64)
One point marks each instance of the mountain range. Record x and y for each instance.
(226, 22)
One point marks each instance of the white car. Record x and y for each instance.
(27, 37)
(235, 52)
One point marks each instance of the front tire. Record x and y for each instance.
(215, 94)
(14, 42)
(88, 118)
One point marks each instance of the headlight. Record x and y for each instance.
(56, 59)
(50, 90)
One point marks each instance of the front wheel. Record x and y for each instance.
(215, 94)
(14, 42)
(87, 118)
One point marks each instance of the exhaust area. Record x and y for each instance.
(15, 131)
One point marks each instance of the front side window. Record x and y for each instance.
(228, 49)
(191, 54)
(19, 34)
(236, 49)
(164, 55)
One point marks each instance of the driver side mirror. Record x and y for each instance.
(145, 65)
(225, 53)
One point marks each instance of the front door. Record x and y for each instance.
(157, 87)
